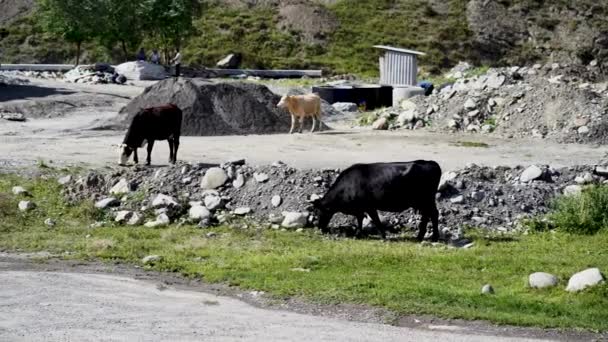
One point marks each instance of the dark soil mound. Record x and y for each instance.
(216, 108)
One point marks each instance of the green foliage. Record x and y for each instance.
(586, 213)
(121, 24)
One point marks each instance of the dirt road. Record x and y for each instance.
(69, 138)
(71, 305)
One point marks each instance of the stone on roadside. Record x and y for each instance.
(260, 177)
(20, 191)
(470, 104)
(276, 201)
(161, 221)
(214, 178)
(151, 259)
(213, 202)
(123, 187)
(587, 278)
(347, 107)
(242, 211)
(487, 289)
(163, 201)
(239, 181)
(294, 219)
(64, 180)
(107, 203)
(531, 173)
(541, 280)
(572, 190)
(198, 212)
(123, 216)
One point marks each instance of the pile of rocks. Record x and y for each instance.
(496, 198)
(564, 103)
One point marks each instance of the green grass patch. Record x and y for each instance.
(476, 144)
(586, 213)
(405, 277)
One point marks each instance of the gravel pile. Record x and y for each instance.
(495, 198)
(563, 103)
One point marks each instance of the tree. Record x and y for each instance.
(73, 20)
(168, 22)
(122, 23)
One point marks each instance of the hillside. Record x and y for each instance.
(337, 35)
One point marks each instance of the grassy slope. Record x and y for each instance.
(404, 277)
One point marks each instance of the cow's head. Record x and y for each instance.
(322, 213)
(284, 101)
(124, 154)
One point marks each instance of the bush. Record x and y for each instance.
(586, 213)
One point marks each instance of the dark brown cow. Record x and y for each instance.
(155, 123)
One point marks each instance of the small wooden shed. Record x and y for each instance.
(398, 67)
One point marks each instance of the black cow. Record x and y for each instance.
(393, 187)
(150, 124)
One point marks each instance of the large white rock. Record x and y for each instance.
(107, 202)
(470, 104)
(161, 221)
(19, 190)
(214, 178)
(142, 71)
(345, 107)
(121, 188)
(213, 202)
(531, 173)
(135, 220)
(541, 280)
(572, 190)
(446, 178)
(198, 212)
(294, 219)
(260, 177)
(239, 181)
(242, 211)
(162, 201)
(276, 201)
(587, 278)
(123, 216)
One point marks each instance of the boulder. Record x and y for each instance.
(107, 203)
(161, 221)
(487, 289)
(213, 202)
(587, 278)
(276, 201)
(121, 188)
(470, 104)
(531, 173)
(347, 107)
(212, 108)
(140, 70)
(20, 191)
(572, 190)
(260, 177)
(214, 178)
(239, 181)
(198, 213)
(163, 201)
(242, 211)
(123, 216)
(541, 280)
(135, 220)
(294, 219)
(232, 61)
(446, 178)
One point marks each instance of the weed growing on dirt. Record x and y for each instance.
(586, 213)
(406, 277)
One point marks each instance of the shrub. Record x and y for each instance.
(586, 213)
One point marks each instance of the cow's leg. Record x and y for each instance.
(435, 220)
(314, 123)
(320, 123)
(360, 218)
(171, 144)
(422, 226)
(373, 214)
(135, 159)
(175, 147)
(301, 123)
(149, 149)
(293, 123)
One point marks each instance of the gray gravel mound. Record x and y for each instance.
(215, 108)
(495, 198)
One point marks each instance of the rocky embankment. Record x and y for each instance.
(495, 198)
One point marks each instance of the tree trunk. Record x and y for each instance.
(124, 50)
(78, 44)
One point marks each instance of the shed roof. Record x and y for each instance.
(400, 50)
